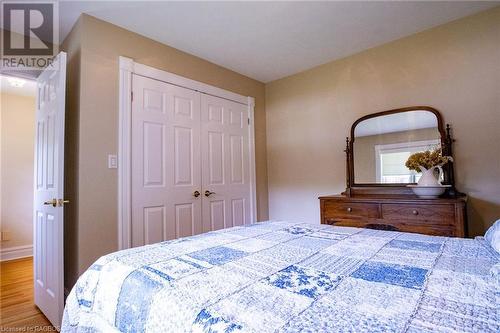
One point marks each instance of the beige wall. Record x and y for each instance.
(17, 137)
(454, 68)
(96, 46)
(71, 155)
(364, 150)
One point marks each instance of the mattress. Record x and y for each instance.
(283, 276)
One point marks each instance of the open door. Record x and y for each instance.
(49, 186)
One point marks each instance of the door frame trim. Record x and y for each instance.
(127, 67)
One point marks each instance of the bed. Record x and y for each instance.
(292, 277)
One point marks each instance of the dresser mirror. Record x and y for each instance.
(380, 144)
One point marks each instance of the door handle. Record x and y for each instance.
(196, 194)
(56, 202)
(62, 202)
(52, 202)
(208, 193)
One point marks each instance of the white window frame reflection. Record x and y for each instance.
(411, 147)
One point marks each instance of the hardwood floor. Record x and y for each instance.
(18, 312)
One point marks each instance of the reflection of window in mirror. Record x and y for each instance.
(397, 135)
(391, 158)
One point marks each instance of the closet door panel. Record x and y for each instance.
(215, 164)
(185, 214)
(225, 160)
(166, 165)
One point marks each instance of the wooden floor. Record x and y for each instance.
(18, 313)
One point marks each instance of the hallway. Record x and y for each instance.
(17, 310)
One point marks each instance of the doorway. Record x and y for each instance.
(45, 183)
(17, 133)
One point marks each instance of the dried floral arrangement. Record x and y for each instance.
(427, 159)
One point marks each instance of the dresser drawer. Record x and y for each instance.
(433, 229)
(437, 214)
(350, 210)
(441, 217)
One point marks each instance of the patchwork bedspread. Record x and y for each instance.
(290, 277)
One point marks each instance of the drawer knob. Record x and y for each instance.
(349, 209)
(415, 212)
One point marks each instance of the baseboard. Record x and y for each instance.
(16, 252)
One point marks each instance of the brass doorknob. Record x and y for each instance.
(349, 209)
(208, 193)
(196, 194)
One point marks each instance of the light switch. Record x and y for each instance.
(112, 162)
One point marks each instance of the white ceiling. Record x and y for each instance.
(270, 40)
(397, 122)
(28, 89)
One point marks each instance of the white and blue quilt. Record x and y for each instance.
(292, 277)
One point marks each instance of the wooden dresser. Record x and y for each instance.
(377, 195)
(441, 217)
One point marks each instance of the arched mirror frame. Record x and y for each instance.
(394, 188)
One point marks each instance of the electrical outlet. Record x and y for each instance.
(6, 235)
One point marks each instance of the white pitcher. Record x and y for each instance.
(428, 176)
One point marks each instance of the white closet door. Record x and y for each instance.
(225, 161)
(165, 161)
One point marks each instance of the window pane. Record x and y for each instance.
(392, 159)
(394, 163)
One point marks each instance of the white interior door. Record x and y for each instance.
(165, 161)
(48, 191)
(225, 163)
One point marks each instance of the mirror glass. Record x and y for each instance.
(383, 144)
